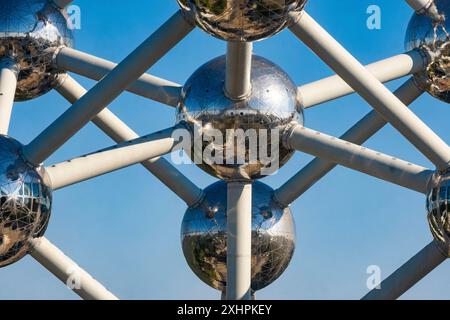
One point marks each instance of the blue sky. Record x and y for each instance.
(124, 227)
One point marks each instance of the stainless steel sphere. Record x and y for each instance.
(438, 209)
(432, 37)
(204, 237)
(25, 202)
(271, 106)
(241, 20)
(30, 32)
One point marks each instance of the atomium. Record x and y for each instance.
(272, 105)
(221, 97)
(25, 202)
(204, 237)
(237, 20)
(432, 37)
(30, 32)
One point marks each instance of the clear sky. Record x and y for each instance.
(124, 227)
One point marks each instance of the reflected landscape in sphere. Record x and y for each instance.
(238, 20)
(30, 32)
(204, 237)
(438, 209)
(271, 106)
(25, 202)
(432, 37)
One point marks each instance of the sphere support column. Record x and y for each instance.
(8, 84)
(239, 66)
(239, 237)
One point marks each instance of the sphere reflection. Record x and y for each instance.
(238, 20)
(30, 32)
(25, 202)
(432, 37)
(204, 237)
(240, 139)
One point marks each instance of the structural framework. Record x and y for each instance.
(237, 234)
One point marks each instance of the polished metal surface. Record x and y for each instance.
(25, 202)
(30, 32)
(204, 237)
(438, 209)
(271, 106)
(241, 20)
(432, 37)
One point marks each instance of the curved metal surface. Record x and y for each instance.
(432, 37)
(30, 32)
(204, 237)
(25, 202)
(271, 106)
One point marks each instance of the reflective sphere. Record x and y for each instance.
(239, 139)
(30, 31)
(433, 38)
(204, 237)
(438, 208)
(25, 202)
(241, 20)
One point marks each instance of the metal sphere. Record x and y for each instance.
(434, 40)
(237, 20)
(438, 209)
(204, 237)
(30, 32)
(272, 105)
(25, 202)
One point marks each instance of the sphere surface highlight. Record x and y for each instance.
(25, 202)
(30, 32)
(242, 20)
(204, 237)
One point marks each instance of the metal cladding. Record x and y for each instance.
(30, 32)
(271, 106)
(204, 237)
(238, 20)
(438, 209)
(432, 37)
(25, 202)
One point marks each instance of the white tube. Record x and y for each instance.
(8, 84)
(66, 270)
(239, 67)
(385, 70)
(428, 259)
(117, 130)
(105, 91)
(358, 134)
(239, 241)
(374, 92)
(96, 68)
(358, 158)
(104, 161)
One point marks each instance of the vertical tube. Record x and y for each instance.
(239, 235)
(238, 74)
(8, 84)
